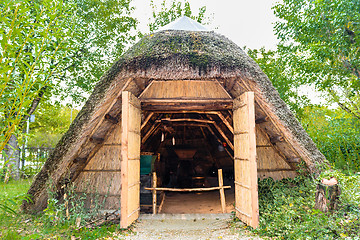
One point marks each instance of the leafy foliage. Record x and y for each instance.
(52, 120)
(286, 211)
(33, 43)
(320, 39)
(102, 31)
(336, 134)
(167, 14)
(282, 77)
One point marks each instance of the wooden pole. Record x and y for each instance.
(222, 193)
(154, 192)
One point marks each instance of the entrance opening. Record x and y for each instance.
(186, 149)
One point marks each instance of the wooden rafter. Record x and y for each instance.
(148, 117)
(226, 122)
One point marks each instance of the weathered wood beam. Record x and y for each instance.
(276, 139)
(181, 104)
(261, 120)
(96, 140)
(79, 160)
(189, 124)
(111, 119)
(293, 160)
(184, 120)
(186, 189)
(147, 119)
(219, 141)
(260, 146)
(226, 122)
(148, 134)
(224, 136)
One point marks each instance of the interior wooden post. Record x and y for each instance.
(154, 185)
(222, 192)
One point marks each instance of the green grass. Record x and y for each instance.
(23, 226)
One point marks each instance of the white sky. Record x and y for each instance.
(246, 22)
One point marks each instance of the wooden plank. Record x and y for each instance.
(154, 185)
(185, 88)
(130, 164)
(245, 166)
(222, 193)
(187, 189)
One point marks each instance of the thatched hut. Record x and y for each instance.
(181, 88)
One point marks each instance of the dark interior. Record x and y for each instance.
(192, 147)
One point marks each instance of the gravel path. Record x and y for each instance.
(190, 227)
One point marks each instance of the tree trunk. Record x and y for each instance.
(327, 197)
(12, 157)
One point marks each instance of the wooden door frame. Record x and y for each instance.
(246, 212)
(129, 101)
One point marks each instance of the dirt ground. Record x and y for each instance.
(186, 226)
(199, 202)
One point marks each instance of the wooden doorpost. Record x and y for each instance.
(130, 159)
(245, 167)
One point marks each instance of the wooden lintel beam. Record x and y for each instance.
(261, 120)
(111, 119)
(96, 140)
(276, 139)
(189, 105)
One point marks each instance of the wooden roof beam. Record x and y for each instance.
(184, 120)
(219, 141)
(225, 121)
(146, 120)
(186, 104)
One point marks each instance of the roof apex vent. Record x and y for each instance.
(184, 23)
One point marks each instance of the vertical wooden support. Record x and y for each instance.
(154, 185)
(222, 193)
(130, 159)
(245, 166)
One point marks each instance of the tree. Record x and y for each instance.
(33, 41)
(282, 77)
(320, 39)
(103, 29)
(170, 13)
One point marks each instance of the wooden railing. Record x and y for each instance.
(221, 188)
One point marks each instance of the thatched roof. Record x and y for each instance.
(170, 55)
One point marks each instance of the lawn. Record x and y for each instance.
(23, 226)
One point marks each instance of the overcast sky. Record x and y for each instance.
(246, 22)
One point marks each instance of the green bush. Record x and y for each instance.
(287, 210)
